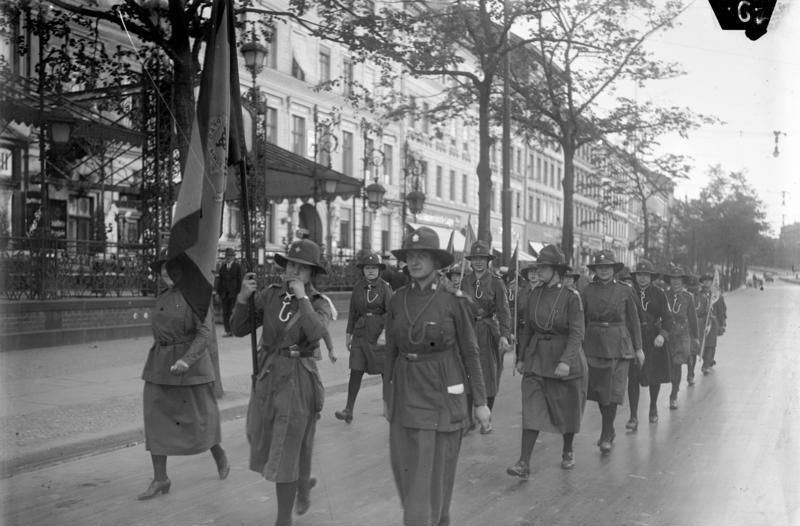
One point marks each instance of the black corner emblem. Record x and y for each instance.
(752, 16)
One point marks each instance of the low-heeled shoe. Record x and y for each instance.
(520, 469)
(155, 487)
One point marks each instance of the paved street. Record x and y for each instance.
(729, 456)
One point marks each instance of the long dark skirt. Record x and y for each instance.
(553, 405)
(424, 467)
(282, 418)
(656, 368)
(490, 355)
(608, 379)
(180, 419)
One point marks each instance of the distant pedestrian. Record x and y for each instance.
(613, 340)
(369, 302)
(288, 394)
(656, 323)
(181, 416)
(712, 318)
(229, 280)
(682, 338)
(551, 361)
(431, 361)
(493, 320)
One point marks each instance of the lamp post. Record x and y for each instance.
(254, 55)
(324, 141)
(413, 201)
(373, 159)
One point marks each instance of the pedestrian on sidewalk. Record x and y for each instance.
(493, 320)
(369, 302)
(181, 416)
(229, 280)
(431, 354)
(613, 340)
(551, 361)
(656, 323)
(712, 317)
(683, 336)
(288, 394)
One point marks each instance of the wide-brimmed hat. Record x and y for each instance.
(605, 257)
(303, 251)
(624, 274)
(707, 276)
(371, 259)
(551, 256)
(524, 271)
(676, 271)
(230, 252)
(480, 249)
(453, 269)
(569, 273)
(426, 240)
(645, 266)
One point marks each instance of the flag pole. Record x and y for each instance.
(248, 258)
(467, 240)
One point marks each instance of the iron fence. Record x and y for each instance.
(33, 269)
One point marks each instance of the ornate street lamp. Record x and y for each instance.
(375, 193)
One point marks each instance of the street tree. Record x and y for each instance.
(566, 86)
(463, 41)
(723, 226)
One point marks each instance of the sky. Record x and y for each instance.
(753, 87)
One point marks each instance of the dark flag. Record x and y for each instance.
(450, 248)
(215, 143)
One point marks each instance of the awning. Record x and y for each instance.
(291, 176)
(444, 236)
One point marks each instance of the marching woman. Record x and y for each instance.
(181, 416)
(683, 335)
(288, 393)
(712, 317)
(551, 361)
(613, 340)
(656, 323)
(493, 319)
(431, 354)
(368, 304)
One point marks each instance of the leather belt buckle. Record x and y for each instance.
(294, 352)
(412, 356)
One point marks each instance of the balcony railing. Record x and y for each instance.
(62, 269)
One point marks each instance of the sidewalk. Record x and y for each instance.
(60, 403)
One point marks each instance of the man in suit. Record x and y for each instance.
(228, 283)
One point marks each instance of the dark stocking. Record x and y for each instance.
(567, 442)
(286, 492)
(490, 402)
(608, 412)
(677, 371)
(219, 456)
(633, 397)
(529, 437)
(654, 390)
(159, 467)
(353, 387)
(690, 366)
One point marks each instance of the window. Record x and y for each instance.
(560, 177)
(388, 163)
(344, 229)
(452, 185)
(423, 176)
(529, 215)
(297, 71)
(519, 160)
(464, 188)
(439, 182)
(347, 153)
(553, 175)
(538, 210)
(546, 171)
(412, 117)
(324, 64)
(299, 135)
(386, 234)
(538, 169)
(347, 74)
(272, 125)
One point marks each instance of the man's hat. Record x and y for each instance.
(572, 274)
(302, 251)
(230, 252)
(676, 271)
(425, 240)
(480, 249)
(371, 259)
(605, 257)
(645, 266)
(551, 256)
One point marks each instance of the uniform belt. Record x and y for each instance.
(172, 344)
(606, 324)
(485, 316)
(418, 357)
(295, 352)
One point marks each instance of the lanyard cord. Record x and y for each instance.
(548, 325)
(284, 315)
(643, 299)
(377, 294)
(672, 307)
(413, 322)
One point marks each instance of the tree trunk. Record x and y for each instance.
(568, 185)
(184, 69)
(484, 170)
(646, 233)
